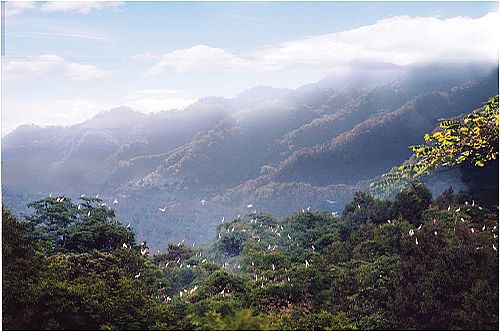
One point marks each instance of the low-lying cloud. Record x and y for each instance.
(392, 42)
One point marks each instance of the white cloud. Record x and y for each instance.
(83, 7)
(49, 64)
(201, 58)
(155, 100)
(391, 42)
(16, 7)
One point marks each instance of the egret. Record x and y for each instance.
(203, 201)
(219, 235)
(416, 241)
(331, 202)
(435, 233)
(144, 251)
(457, 210)
(222, 221)
(88, 214)
(115, 201)
(249, 206)
(253, 264)
(484, 227)
(82, 195)
(473, 203)
(289, 237)
(79, 206)
(308, 208)
(137, 275)
(128, 226)
(419, 227)
(494, 248)
(204, 260)
(313, 248)
(411, 232)
(359, 206)
(103, 204)
(449, 207)
(166, 265)
(97, 196)
(163, 209)
(472, 230)
(274, 267)
(124, 245)
(307, 263)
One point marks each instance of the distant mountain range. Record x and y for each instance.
(268, 149)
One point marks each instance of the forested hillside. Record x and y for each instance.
(410, 263)
(175, 174)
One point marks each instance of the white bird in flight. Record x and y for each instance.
(163, 209)
(249, 206)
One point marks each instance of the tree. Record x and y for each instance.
(67, 227)
(470, 139)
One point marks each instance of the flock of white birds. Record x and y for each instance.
(276, 231)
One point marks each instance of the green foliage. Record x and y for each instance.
(410, 263)
(66, 227)
(471, 139)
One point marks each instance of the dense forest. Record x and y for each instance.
(410, 262)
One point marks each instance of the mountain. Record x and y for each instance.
(278, 150)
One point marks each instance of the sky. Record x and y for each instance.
(65, 62)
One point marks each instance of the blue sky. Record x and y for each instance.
(65, 62)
